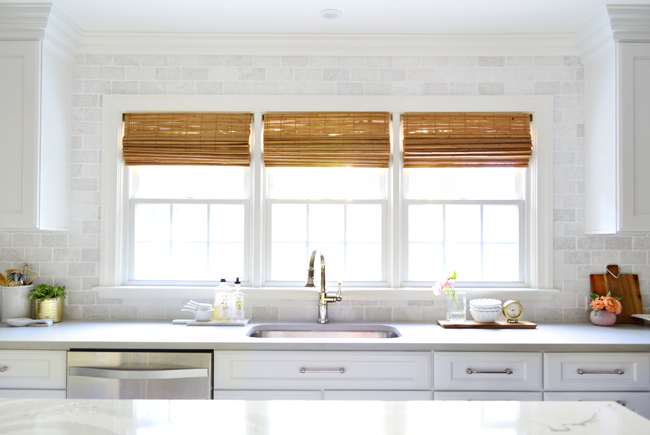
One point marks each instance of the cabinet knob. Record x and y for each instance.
(4, 369)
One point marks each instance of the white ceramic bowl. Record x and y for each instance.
(203, 315)
(485, 303)
(484, 316)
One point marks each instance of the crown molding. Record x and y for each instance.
(40, 22)
(329, 45)
(611, 25)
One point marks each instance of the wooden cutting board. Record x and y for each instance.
(499, 324)
(625, 287)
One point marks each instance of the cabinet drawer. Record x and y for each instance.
(520, 396)
(266, 395)
(320, 370)
(637, 402)
(32, 369)
(597, 371)
(487, 371)
(391, 396)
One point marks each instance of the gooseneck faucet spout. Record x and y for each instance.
(324, 297)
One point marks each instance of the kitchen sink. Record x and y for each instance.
(323, 331)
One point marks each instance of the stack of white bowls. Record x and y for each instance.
(485, 310)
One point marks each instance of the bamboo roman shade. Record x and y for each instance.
(357, 139)
(216, 139)
(445, 140)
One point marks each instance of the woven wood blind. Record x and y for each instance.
(358, 139)
(445, 140)
(216, 139)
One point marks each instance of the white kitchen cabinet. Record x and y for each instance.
(487, 371)
(35, 121)
(617, 134)
(32, 394)
(392, 396)
(32, 370)
(266, 395)
(520, 396)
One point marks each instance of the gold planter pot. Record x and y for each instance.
(49, 309)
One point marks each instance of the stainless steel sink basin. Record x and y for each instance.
(323, 331)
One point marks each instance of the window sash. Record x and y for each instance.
(464, 283)
(133, 202)
(269, 244)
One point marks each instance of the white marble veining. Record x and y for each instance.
(152, 335)
(160, 417)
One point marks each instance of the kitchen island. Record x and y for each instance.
(98, 417)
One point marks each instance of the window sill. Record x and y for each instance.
(301, 293)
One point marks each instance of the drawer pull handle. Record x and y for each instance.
(304, 370)
(620, 403)
(4, 369)
(478, 372)
(615, 372)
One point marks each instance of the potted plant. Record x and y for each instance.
(48, 302)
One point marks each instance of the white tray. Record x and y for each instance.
(192, 322)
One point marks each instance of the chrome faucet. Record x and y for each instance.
(324, 298)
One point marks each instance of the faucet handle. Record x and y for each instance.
(338, 293)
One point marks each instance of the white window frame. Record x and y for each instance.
(539, 204)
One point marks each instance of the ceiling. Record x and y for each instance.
(419, 17)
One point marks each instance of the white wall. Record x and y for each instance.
(71, 259)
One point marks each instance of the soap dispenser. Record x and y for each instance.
(223, 300)
(237, 302)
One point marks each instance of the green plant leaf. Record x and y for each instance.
(44, 291)
(453, 276)
(594, 296)
(596, 313)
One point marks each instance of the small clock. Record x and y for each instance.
(513, 311)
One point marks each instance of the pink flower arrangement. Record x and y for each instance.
(446, 285)
(608, 303)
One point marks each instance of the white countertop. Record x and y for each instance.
(160, 417)
(164, 335)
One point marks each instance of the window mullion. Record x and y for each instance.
(394, 237)
(257, 193)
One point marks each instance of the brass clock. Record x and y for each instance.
(513, 311)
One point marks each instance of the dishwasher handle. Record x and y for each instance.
(136, 374)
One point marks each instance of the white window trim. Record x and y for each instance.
(539, 196)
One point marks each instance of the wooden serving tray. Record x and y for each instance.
(499, 324)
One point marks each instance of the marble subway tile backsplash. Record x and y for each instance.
(72, 258)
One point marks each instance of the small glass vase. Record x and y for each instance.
(456, 308)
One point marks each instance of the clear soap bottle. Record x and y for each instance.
(237, 302)
(222, 299)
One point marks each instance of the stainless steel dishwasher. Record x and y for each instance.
(139, 375)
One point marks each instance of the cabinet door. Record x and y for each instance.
(637, 402)
(32, 394)
(488, 395)
(19, 139)
(634, 136)
(266, 395)
(393, 396)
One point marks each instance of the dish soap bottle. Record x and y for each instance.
(237, 302)
(223, 300)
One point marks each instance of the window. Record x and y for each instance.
(378, 227)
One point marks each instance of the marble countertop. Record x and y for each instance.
(414, 337)
(160, 417)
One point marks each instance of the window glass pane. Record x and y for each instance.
(289, 261)
(226, 261)
(461, 183)
(462, 223)
(363, 223)
(227, 223)
(426, 262)
(190, 223)
(501, 223)
(200, 182)
(465, 259)
(189, 261)
(289, 222)
(425, 223)
(362, 262)
(501, 262)
(152, 223)
(326, 183)
(151, 260)
(326, 223)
